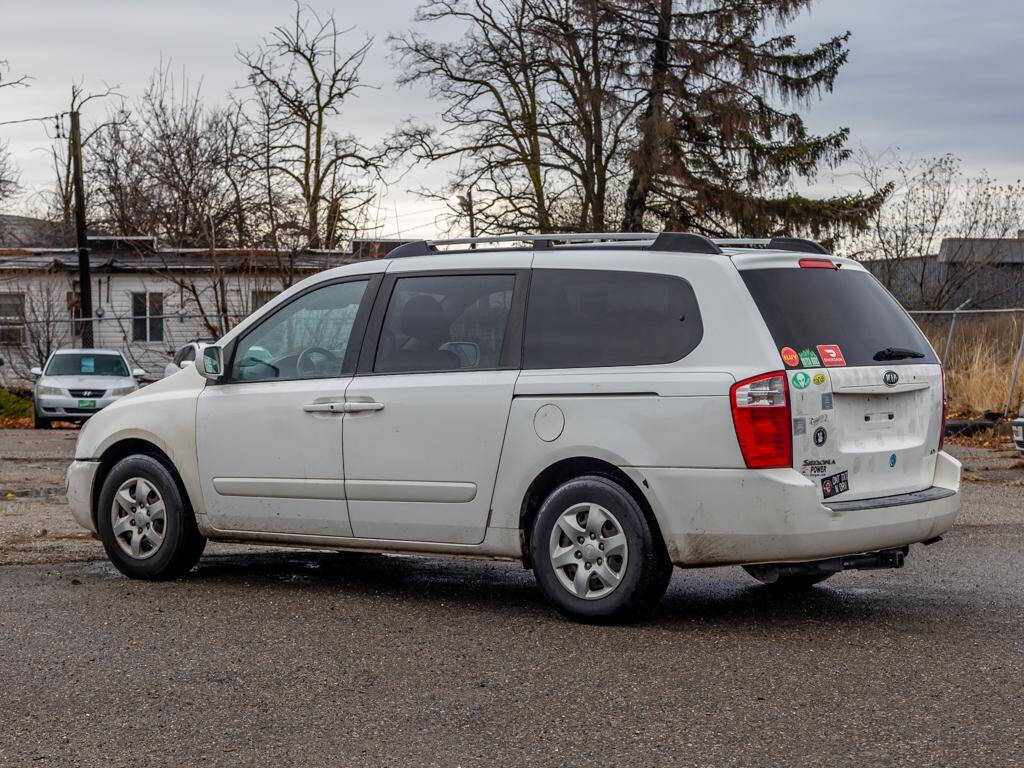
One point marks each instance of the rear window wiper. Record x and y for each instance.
(896, 353)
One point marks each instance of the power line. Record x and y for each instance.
(43, 119)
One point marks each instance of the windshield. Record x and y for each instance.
(844, 313)
(86, 364)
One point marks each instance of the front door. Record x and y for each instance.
(269, 438)
(427, 412)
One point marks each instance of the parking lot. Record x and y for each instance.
(270, 656)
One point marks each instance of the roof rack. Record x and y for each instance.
(773, 243)
(664, 241)
(678, 242)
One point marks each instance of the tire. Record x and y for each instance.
(39, 422)
(629, 569)
(786, 582)
(158, 545)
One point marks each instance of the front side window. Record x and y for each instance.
(306, 339)
(445, 323)
(579, 318)
(12, 318)
(86, 364)
(147, 316)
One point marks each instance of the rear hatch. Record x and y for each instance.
(865, 386)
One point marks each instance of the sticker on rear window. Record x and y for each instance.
(831, 355)
(808, 359)
(790, 357)
(801, 380)
(835, 484)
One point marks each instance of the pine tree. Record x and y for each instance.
(719, 148)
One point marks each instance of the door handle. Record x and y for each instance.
(324, 407)
(362, 407)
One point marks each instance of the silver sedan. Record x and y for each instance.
(75, 383)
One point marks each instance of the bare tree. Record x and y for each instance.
(301, 81)
(8, 169)
(531, 115)
(47, 321)
(930, 201)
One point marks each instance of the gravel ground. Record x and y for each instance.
(300, 658)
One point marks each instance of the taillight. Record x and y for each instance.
(761, 416)
(818, 264)
(942, 421)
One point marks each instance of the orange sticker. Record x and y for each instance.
(789, 356)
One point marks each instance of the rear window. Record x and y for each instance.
(595, 318)
(86, 365)
(817, 312)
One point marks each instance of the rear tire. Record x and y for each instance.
(786, 582)
(594, 554)
(145, 522)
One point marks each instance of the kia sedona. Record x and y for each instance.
(601, 408)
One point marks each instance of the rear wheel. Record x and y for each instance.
(769, 575)
(594, 554)
(147, 528)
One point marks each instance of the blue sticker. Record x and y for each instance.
(88, 365)
(892, 460)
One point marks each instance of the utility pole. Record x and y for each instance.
(81, 239)
(466, 203)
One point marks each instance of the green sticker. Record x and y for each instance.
(808, 359)
(801, 380)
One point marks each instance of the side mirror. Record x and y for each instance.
(212, 365)
(36, 371)
(138, 373)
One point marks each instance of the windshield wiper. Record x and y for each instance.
(897, 353)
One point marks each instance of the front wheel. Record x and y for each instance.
(40, 422)
(145, 523)
(594, 554)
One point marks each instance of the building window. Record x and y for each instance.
(259, 298)
(147, 317)
(12, 319)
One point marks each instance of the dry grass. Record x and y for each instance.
(978, 371)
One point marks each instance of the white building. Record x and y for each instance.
(147, 301)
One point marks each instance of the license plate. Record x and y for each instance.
(1018, 434)
(86, 403)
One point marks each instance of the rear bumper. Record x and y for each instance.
(80, 478)
(731, 517)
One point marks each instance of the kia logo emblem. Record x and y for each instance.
(890, 378)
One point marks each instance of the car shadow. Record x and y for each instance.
(723, 598)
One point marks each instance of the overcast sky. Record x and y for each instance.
(926, 76)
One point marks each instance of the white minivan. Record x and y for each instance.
(599, 407)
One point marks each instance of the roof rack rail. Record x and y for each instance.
(680, 242)
(799, 244)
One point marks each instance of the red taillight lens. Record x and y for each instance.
(942, 421)
(818, 264)
(760, 413)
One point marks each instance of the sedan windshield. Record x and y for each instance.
(86, 364)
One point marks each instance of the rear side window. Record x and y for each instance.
(596, 318)
(445, 323)
(815, 311)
